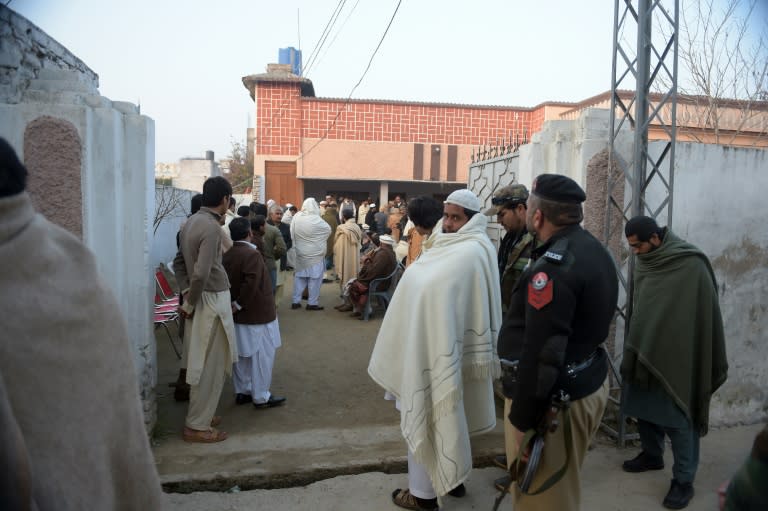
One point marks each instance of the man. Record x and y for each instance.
(310, 236)
(275, 219)
(436, 353)
(205, 287)
(362, 211)
(380, 219)
(558, 316)
(274, 245)
(346, 204)
(229, 215)
(256, 326)
(330, 215)
(346, 250)
(377, 264)
(70, 415)
(508, 204)
(425, 213)
(674, 358)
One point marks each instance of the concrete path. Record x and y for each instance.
(336, 444)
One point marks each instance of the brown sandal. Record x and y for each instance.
(404, 499)
(208, 436)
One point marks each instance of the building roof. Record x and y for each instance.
(279, 73)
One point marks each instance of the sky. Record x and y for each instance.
(183, 60)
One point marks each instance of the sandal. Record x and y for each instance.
(404, 499)
(208, 436)
(215, 421)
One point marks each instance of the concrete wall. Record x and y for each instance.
(194, 171)
(719, 206)
(42, 87)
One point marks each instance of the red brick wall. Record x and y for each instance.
(411, 123)
(278, 119)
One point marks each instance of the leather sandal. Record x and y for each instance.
(403, 498)
(209, 436)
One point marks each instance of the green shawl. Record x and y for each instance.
(676, 330)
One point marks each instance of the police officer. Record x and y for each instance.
(559, 314)
(508, 204)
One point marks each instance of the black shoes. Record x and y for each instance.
(314, 307)
(459, 491)
(295, 306)
(679, 495)
(242, 399)
(643, 462)
(271, 403)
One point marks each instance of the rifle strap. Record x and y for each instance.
(520, 453)
(554, 478)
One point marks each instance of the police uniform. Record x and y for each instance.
(560, 312)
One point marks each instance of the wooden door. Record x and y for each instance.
(281, 183)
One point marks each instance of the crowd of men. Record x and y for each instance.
(535, 313)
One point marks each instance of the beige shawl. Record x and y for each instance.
(436, 350)
(346, 250)
(72, 423)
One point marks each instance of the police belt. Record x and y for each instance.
(510, 368)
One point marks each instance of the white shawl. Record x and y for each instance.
(436, 350)
(310, 235)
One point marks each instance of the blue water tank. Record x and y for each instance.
(291, 56)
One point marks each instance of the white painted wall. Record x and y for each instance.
(720, 205)
(117, 148)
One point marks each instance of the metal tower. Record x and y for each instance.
(646, 69)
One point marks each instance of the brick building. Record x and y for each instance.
(305, 146)
(308, 146)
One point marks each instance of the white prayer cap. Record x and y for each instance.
(386, 238)
(372, 205)
(288, 205)
(465, 199)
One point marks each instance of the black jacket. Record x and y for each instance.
(560, 312)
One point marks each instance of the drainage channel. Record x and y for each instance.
(297, 479)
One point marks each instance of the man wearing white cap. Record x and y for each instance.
(436, 353)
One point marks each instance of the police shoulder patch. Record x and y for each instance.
(540, 290)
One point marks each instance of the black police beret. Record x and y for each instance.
(558, 188)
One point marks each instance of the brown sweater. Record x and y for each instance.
(251, 285)
(197, 265)
(381, 263)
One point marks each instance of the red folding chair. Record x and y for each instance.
(165, 288)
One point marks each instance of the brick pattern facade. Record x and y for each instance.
(278, 119)
(411, 123)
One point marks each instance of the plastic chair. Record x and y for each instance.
(162, 320)
(385, 296)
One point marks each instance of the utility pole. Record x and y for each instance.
(643, 185)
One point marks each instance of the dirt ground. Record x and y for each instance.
(335, 420)
(321, 369)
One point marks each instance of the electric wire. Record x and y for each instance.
(370, 61)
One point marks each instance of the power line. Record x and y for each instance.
(370, 61)
(324, 36)
(341, 28)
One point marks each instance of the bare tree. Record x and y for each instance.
(723, 54)
(240, 168)
(169, 203)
